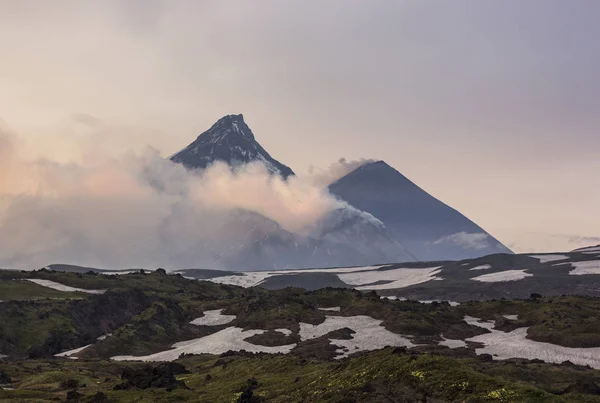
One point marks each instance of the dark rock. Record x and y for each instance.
(400, 350)
(69, 384)
(585, 386)
(161, 376)
(73, 395)
(4, 379)
(247, 395)
(99, 398)
(341, 334)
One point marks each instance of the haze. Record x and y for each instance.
(491, 107)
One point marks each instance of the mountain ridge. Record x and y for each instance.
(428, 227)
(229, 140)
(386, 217)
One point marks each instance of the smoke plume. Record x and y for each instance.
(137, 209)
(325, 177)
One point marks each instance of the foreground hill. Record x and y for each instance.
(60, 331)
(226, 343)
(484, 278)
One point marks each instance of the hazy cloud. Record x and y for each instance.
(588, 240)
(489, 106)
(325, 177)
(476, 241)
(137, 209)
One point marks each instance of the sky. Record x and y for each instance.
(492, 107)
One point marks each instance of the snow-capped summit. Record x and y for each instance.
(229, 140)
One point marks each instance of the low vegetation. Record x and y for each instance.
(143, 313)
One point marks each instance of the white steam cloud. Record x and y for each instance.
(475, 241)
(325, 177)
(138, 209)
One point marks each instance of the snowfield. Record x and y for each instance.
(62, 287)
(482, 267)
(594, 250)
(514, 344)
(489, 325)
(213, 318)
(332, 309)
(231, 338)
(501, 276)
(549, 258)
(452, 343)
(452, 303)
(254, 278)
(246, 280)
(286, 332)
(70, 353)
(370, 335)
(582, 268)
(397, 278)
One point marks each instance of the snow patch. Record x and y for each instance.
(286, 332)
(254, 278)
(333, 308)
(62, 287)
(482, 267)
(70, 353)
(486, 324)
(370, 335)
(397, 278)
(511, 317)
(515, 344)
(231, 338)
(213, 318)
(593, 250)
(549, 258)
(452, 303)
(501, 276)
(246, 280)
(583, 268)
(452, 343)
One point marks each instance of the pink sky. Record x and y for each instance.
(491, 107)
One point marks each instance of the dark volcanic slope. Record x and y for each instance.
(231, 141)
(490, 277)
(428, 228)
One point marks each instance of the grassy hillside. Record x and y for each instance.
(381, 376)
(144, 313)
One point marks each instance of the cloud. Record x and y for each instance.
(476, 241)
(589, 240)
(139, 209)
(337, 170)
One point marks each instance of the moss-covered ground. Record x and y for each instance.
(148, 312)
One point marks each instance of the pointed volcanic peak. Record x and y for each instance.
(229, 140)
(425, 226)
